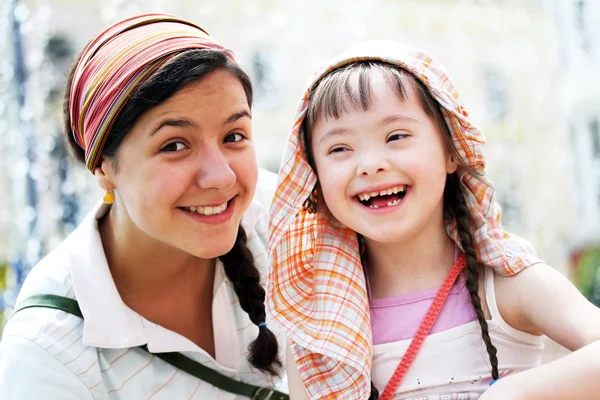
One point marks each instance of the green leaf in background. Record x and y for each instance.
(3, 276)
(3, 287)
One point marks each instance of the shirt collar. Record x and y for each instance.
(109, 323)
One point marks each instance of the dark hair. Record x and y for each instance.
(240, 269)
(335, 95)
(187, 67)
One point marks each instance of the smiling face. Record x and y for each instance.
(187, 170)
(381, 161)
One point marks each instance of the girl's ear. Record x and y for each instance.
(451, 165)
(104, 175)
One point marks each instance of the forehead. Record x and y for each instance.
(218, 86)
(206, 104)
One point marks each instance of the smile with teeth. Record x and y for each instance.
(383, 198)
(207, 210)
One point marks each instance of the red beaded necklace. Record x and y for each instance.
(424, 329)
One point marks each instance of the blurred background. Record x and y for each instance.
(527, 71)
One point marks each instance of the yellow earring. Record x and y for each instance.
(109, 197)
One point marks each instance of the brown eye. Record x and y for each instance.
(173, 147)
(396, 136)
(234, 137)
(338, 150)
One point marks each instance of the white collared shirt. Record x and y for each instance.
(49, 354)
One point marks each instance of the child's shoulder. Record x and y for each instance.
(529, 281)
(528, 293)
(541, 300)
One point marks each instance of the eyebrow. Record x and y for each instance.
(336, 132)
(180, 123)
(397, 118)
(236, 117)
(184, 123)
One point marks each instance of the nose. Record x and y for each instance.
(372, 162)
(215, 171)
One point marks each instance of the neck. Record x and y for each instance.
(421, 262)
(148, 272)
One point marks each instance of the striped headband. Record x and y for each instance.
(114, 65)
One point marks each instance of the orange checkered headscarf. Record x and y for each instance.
(317, 286)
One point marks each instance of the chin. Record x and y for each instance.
(216, 249)
(379, 238)
(386, 236)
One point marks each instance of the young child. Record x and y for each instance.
(392, 275)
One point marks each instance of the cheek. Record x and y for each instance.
(245, 167)
(428, 172)
(156, 190)
(333, 183)
(427, 159)
(165, 188)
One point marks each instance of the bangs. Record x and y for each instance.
(349, 89)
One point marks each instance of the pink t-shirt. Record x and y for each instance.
(398, 318)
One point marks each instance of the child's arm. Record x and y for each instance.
(297, 389)
(540, 299)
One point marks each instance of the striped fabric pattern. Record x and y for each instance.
(114, 65)
(132, 373)
(135, 374)
(317, 287)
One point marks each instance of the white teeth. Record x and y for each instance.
(364, 197)
(373, 206)
(393, 203)
(394, 190)
(209, 210)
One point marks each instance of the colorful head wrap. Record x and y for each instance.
(317, 286)
(114, 65)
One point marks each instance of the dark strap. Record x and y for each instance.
(177, 360)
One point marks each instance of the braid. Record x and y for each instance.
(374, 393)
(456, 207)
(362, 250)
(241, 271)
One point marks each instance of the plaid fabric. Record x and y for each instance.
(115, 64)
(317, 286)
